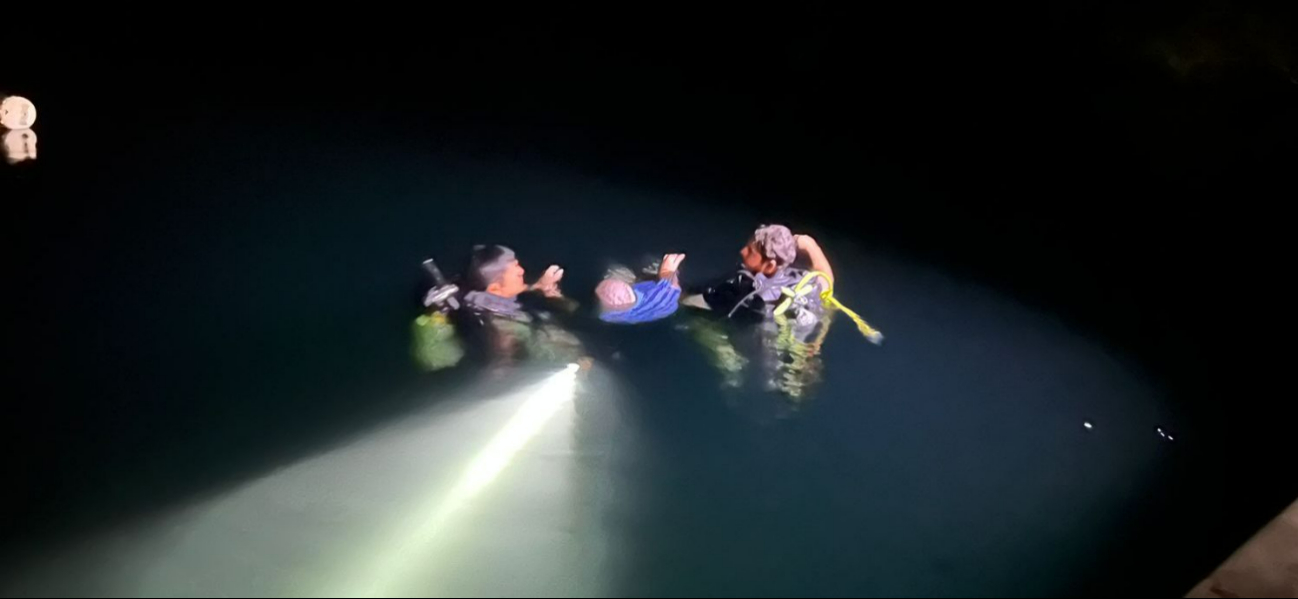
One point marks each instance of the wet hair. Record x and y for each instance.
(487, 265)
(776, 242)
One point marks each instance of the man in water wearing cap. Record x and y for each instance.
(787, 343)
(767, 261)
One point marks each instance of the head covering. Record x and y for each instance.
(615, 294)
(776, 243)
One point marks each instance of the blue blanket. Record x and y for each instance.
(655, 300)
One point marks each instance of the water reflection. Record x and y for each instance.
(786, 350)
(19, 146)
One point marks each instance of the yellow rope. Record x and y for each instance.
(828, 299)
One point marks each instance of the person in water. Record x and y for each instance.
(624, 301)
(495, 280)
(517, 319)
(784, 303)
(767, 268)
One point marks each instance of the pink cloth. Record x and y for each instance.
(614, 294)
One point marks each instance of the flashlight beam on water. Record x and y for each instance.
(414, 538)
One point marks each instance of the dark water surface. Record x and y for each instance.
(231, 324)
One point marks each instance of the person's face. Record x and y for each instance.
(511, 282)
(754, 262)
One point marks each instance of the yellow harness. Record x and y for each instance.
(804, 287)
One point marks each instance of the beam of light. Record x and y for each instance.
(413, 539)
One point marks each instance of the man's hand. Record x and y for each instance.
(548, 284)
(670, 265)
(805, 243)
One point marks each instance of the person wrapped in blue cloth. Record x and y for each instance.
(623, 301)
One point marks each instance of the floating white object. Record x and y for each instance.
(1088, 425)
(17, 112)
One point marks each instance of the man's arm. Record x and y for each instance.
(669, 269)
(808, 245)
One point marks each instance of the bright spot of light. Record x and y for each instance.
(415, 536)
(17, 112)
(1088, 425)
(520, 429)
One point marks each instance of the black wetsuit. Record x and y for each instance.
(508, 329)
(787, 345)
(747, 296)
